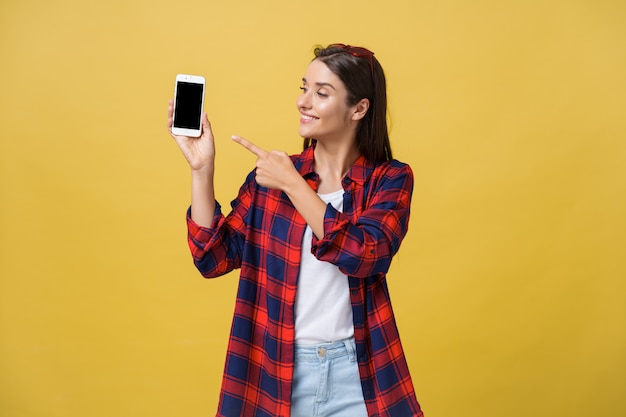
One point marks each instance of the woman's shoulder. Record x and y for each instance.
(303, 161)
(393, 167)
(306, 153)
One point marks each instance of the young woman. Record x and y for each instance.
(313, 332)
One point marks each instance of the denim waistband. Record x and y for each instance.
(325, 351)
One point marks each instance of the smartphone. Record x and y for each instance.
(188, 105)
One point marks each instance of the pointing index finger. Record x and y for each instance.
(250, 146)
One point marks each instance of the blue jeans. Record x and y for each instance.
(326, 381)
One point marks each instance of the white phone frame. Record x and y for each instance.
(193, 79)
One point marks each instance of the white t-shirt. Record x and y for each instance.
(323, 308)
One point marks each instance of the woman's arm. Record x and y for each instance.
(365, 247)
(200, 155)
(275, 170)
(360, 246)
(218, 249)
(216, 242)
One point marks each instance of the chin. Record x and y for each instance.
(305, 133)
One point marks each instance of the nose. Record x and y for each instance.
(303, 101)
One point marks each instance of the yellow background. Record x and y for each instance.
(509, 289)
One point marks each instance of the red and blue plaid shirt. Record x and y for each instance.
(262, 235)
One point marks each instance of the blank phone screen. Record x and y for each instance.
(188, 107)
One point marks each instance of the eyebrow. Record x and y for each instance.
(321, 84)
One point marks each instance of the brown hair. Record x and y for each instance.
(363, 77)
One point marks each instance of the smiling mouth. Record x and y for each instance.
(307, 118)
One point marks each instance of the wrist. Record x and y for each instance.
(205, 172)
(294, 183)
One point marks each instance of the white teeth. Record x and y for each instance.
(304, 116)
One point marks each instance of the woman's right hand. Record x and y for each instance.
(199, 152)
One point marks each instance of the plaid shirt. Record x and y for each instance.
(262, 235)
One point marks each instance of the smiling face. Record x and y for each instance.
(323, 105)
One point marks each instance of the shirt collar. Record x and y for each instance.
(359, 173)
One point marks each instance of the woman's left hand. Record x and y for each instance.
(273, 169)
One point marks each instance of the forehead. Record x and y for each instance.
(318, 72)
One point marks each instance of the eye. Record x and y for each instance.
(304, 89)
(322, 95)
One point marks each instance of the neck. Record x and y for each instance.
(333, 161)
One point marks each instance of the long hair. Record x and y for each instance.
(363, 77)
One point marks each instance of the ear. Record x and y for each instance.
(360, 109)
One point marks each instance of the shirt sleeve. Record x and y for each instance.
(365, 248)
(217, 250)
